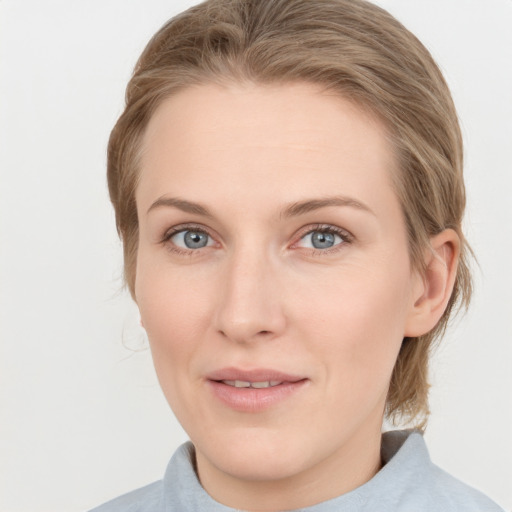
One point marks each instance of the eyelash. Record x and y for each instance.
(346, 237)
(166, 240)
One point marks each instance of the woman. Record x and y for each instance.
(287, 181)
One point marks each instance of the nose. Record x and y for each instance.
(249, 306)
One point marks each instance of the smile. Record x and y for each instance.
(252, 391)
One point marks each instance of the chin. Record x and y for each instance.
(256, 467)
(257, 456)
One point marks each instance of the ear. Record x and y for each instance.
(433, 290)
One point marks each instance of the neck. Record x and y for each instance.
(354, 464)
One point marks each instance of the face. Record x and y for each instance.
(272, 278)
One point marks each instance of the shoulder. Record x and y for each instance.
(457, 496)
(145, 499)
(178, 491)
(419, 485)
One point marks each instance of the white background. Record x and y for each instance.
(82, 416)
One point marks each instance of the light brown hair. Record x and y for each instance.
(351, 47)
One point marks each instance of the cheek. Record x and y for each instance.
(172, 310)
(358, 323)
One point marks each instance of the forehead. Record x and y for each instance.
(281, 140)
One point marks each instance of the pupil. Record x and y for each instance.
(194, 240)
(322, 240)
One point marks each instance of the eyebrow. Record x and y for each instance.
(293, 210)
(309, 205)
(181, 204)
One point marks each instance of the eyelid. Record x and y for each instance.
(327, 228)
(185, 227)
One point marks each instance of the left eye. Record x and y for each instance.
(320, 240)
(190, 239)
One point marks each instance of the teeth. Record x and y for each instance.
(259, 385)
(247, 384)
(266, 384)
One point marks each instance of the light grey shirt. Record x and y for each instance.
(407, 482)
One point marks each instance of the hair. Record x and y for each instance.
(351, 47)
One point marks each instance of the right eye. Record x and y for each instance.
(190, 239)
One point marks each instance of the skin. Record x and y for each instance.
(259, 295)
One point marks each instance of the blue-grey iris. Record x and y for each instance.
(322, 240)
(195, 239)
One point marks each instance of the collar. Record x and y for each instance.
(404, 455)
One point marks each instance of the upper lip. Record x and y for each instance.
(254, 375)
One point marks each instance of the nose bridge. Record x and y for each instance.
(249, 306)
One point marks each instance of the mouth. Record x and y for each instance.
(254, 390)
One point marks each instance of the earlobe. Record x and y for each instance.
(435, 289)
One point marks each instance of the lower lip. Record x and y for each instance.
(252, 399)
